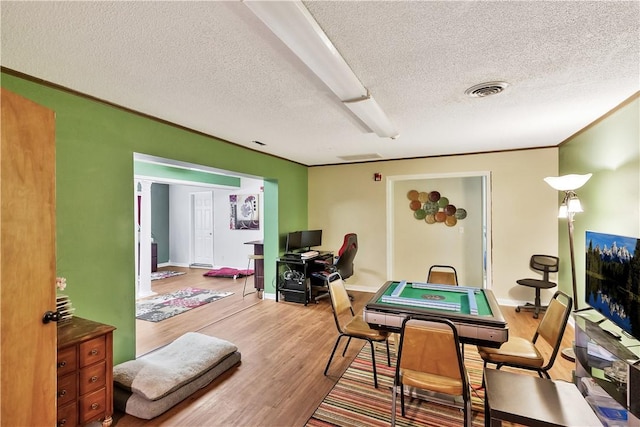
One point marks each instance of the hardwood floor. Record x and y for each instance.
(284, 347)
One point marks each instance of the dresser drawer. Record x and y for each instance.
(67, 389)
(92, 351)
(92, 377)
(68, 415)
(67, 361)
(93, 406)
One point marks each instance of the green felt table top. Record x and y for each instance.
(443, 295)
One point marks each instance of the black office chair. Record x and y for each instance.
(343, 263)
(545, 264)
(346, 254)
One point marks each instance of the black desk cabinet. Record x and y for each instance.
(295, 279)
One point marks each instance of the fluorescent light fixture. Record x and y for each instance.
(292, 23)
(368, 110)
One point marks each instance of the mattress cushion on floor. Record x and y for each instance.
(136, 405)
(165, 370)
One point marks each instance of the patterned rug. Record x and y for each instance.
(354, 401)
(163, 274)
(164, 306)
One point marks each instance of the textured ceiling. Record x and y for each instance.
(215, 68)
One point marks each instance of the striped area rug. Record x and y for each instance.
(354, 401)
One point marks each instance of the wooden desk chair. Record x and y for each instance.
(523, 353)
(430, 359)
(351, 326)
(443, 275)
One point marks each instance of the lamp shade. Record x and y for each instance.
(574, 205)
(563, 212)
(567, 182)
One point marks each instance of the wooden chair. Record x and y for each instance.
(523, 353)
(443, 275)
(351, 326)
(430, 359)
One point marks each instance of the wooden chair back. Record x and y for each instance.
(442, 275)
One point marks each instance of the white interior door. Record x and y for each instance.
(203, 228)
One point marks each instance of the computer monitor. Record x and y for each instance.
(311, 238)
(294, 241)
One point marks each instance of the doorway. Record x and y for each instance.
(194, 201)
(416, 242)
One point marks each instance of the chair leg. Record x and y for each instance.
(388, 353)
(484, 366)
(346, 347)
(332, 353)
(538, 304)
(245, 282)
(467, 413)
(394, 390)
(402, 399)
(373, 363)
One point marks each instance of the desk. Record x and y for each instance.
(258, 264)
(295, 275)
(485, 327)
(534, 401)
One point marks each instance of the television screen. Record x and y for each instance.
(294, 241)
(311, 238)
(612, 278)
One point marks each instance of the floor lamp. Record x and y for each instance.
(569, 207)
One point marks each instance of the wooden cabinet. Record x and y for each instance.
(85, 372)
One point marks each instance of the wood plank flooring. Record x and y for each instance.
(284, 347)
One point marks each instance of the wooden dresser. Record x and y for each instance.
(85, 372)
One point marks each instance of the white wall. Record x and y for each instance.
(229, 248)
(345, 198)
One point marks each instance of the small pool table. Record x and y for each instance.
(474, 311)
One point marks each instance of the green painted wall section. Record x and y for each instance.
(95, 144)
(610, 150)
(181, 174)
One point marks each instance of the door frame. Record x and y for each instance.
(486, 216)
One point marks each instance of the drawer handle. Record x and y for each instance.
(62, 364)
(62, 393)
(94, 352)
(93, 379)
(95, 406)
(62, 422)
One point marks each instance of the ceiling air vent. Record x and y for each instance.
(486, 89)
(360, 157)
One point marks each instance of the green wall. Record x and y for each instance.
(610, 150)
(95, 143)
